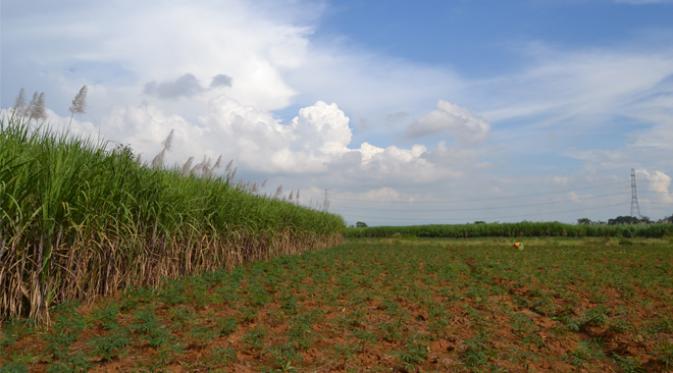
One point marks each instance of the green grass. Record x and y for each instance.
(79, 219)
(523, 229)
(380, 304)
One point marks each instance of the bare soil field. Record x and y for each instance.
(561, 305)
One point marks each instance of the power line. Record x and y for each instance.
(546, 203)
(436, 201)
(551, 212)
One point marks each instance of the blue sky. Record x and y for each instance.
(406, 112)
(480, 38)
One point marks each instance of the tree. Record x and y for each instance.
(629, 220)
(361, 224)
(584, 221)
(667, 220)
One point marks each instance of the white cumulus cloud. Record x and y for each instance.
(453, 119)
(659, 183)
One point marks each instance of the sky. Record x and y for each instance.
(395, 112)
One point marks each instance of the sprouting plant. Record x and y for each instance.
(628, 364)
(13, 367)
(222, 355)
(476, 352)
(148, 325)
(110, 345)
(107, 316)
(201, 334)
(254, 339)
(414, 353)
(664, 353)
(284, 356)
(74, 363)
(66, 329)
(226, 325)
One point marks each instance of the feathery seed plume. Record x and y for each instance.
(218, 163)
(279, 191)
(20, 103)
(36, 108)
(187, 166)
(158, 160)
(199, 167)
(168, 142)
(79, 101)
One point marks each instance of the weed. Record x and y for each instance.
(414, 353)
(476, 352)
(147, 324)
(664, 354)
(14, 367)
(226, 325)
(254, 339)
(222, 355)
(111, 345)
(67, 328)
(628, 364)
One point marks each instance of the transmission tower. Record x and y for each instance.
(635, 207)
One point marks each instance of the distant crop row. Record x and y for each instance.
(529, 229)
(78, 220)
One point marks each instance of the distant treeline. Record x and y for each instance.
(523, 229)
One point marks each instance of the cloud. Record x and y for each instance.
(452, 119)
(308, 109)
(659, 183)
(256, 45)
(221, 80)
(185, 86)
(316, 141)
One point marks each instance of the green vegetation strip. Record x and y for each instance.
(523, 229)
(78, 220)
(381, 305)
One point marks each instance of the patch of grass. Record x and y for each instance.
(226, 325)
(585, 352)
(222, 356)
(14, 367)
(254, 339)
(415, 352)
(476, 352)
(147, 325)
(628, 364)
(110, 345)
(67, 327)
(664, 354)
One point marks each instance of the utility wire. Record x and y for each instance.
(336, 198)
(546, 213)
(490, 208)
